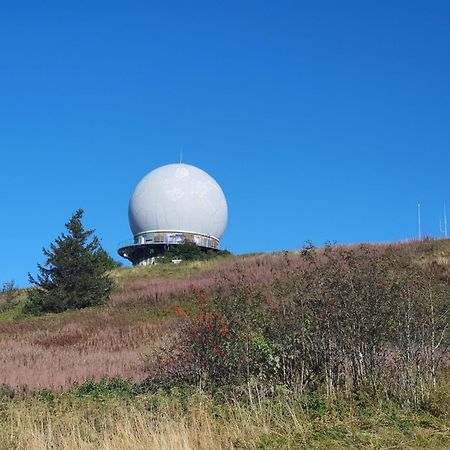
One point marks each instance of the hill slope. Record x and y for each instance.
(56, 350)
(271, 409)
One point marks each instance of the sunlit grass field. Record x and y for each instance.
(102, 417)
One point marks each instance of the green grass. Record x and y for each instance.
(10, 315)
(13, 311)
(166, 271)
(185, 270)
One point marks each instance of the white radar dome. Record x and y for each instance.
(178, 198)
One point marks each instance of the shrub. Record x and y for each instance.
(104, 388)
(355, 320)
(9, 291)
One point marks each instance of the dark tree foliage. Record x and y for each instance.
(108, 262)
(189, 251)
(74, 275)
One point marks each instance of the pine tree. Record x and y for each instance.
(74, 275)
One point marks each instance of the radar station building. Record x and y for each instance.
(171, 205)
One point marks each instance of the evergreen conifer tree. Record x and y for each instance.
(74, 274)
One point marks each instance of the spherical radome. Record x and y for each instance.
(178, 197)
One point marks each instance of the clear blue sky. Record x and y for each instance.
(320, 119)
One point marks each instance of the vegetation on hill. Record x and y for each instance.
(9, 291)
(344, 346)
(188, 251)
(362, 319)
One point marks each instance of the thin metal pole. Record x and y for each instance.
(418, 220)
(445, 223)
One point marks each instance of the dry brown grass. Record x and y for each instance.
(89, 344)
(57, 350)
(161, 421)
(116, 427)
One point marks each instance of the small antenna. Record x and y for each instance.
(418, 220)
(181, 154)
(445, 223)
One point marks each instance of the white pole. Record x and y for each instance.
(445, 223)
(418, 220)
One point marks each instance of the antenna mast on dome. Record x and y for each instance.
(181, 154)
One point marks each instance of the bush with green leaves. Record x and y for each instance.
(189, 251)
(336, 319)
(74, 274)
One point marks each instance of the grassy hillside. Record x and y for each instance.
(56, 350)
(271, 409)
